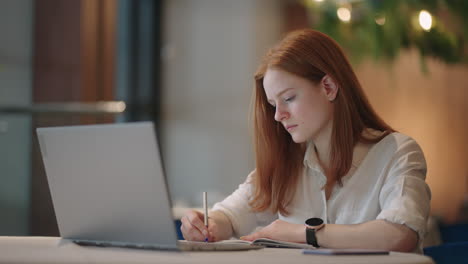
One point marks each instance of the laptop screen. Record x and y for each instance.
(107, 183)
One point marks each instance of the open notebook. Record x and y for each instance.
(261, 242)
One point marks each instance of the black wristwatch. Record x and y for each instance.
(312, 226)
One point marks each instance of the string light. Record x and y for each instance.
(425, 20)
(344, 14)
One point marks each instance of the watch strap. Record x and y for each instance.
(311, 237)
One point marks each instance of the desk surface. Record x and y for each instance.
(55, 250)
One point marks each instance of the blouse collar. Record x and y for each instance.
(359, 153)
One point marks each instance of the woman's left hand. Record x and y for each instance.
(280, 230)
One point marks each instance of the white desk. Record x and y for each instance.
(54, 250)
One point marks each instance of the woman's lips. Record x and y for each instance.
(290, 127)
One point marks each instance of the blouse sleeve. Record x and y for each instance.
(236, 207)
(405, 196)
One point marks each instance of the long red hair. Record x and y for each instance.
(311, 55)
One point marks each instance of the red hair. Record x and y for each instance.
(279, 160)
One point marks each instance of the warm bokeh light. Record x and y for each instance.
(344, 14)
(380, 20)
(425, 20)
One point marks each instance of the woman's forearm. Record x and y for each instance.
(378, 234)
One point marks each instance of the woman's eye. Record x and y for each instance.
(289, 99)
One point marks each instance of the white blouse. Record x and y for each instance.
(386, 181)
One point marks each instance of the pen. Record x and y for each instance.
(205, 209)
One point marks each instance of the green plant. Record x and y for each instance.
(380, 29)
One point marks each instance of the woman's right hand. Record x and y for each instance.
(193, 227)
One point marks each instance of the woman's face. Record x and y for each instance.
(302, 107)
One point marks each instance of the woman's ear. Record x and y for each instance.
(330, 87)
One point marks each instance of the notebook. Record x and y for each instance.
(108, 187)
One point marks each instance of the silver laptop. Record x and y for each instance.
(108, 187)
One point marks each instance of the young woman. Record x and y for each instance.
(323, 154)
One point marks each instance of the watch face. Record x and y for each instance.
(314, 221)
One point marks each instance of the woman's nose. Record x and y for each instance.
(280, 114)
